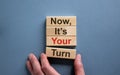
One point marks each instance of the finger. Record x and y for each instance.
(48, 70)
(29, 66)
(35, 65)
(79, 70)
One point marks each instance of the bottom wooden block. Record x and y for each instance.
(60, 53)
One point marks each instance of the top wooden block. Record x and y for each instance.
(61, 20)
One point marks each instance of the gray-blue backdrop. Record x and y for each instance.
(22, 31)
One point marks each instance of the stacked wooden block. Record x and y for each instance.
(60, 35)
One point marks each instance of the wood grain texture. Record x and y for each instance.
(60, 53)
(60, 31)
(61, 20)
(61, 41)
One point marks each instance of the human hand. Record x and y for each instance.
(45, 68)
(78, 66)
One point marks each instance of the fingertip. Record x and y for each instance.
(33, 59)
(79, 69)
(78, 56)
(44, 61)
(43, 56)
(78, 60)
(30, 56)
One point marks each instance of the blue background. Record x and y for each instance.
(22, 31)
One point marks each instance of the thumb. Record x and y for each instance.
(79, 69)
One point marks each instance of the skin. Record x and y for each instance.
(44, 68)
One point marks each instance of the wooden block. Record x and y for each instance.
(61, 41)
(61, 20)
(50, 31)
(60, 53)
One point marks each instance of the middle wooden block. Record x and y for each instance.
(61, 41)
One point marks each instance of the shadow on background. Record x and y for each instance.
(60, 61)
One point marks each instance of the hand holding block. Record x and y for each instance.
(61, 20)
(60, 53)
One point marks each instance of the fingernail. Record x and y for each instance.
(42, 54)
(79, 57)
(30, 56)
